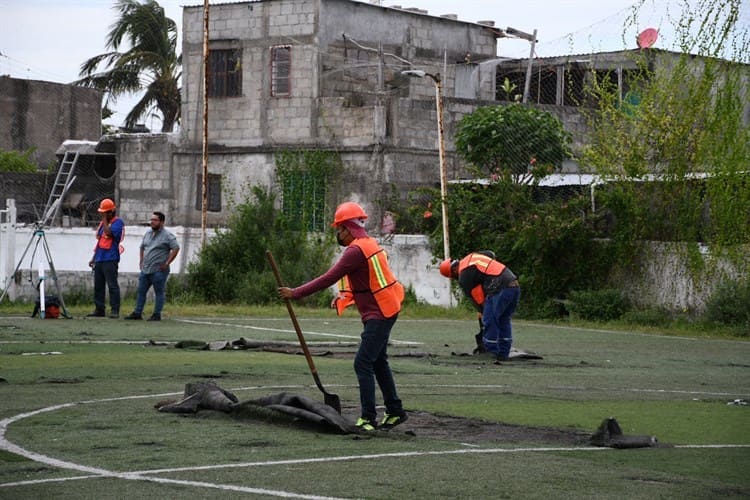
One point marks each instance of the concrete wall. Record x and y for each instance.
(70, 250)
(662, 278)
(323, 65)
(160, 172)
(255, 117)
(41, 115)
(671, 276)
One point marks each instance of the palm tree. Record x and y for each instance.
(152, 63)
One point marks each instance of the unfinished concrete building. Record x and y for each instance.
(322, 75)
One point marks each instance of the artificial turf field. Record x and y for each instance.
(77, 412)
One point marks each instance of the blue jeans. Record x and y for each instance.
(371, 364)
(498, 308)
(159, 281)
(105, 275)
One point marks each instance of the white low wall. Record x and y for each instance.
(662, 279)
(71, 249)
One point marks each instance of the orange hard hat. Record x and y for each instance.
(106, 205)
(348, 211)
(445, 267)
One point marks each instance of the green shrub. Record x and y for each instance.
(597, 305)
(232, 267)
(730, 305)
(15, 161)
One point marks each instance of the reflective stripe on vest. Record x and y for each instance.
(485, 265)
(384, 286)
(345, 297)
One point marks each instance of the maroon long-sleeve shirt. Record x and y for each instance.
(354, 264)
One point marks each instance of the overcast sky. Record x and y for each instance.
(49, 39)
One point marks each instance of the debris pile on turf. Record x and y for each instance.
(209, 396)
(200, 396)
(609, 434)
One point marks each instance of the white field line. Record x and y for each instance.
(472, 451)
(148, 342)
(282, 330)
(94, 472)
(98, 472)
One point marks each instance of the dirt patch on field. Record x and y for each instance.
(474, 431)
(467, 430)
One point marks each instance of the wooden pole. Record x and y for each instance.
(204, 183)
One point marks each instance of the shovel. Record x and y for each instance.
(331, 400)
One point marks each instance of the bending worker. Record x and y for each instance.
(378, 296)
(493, 289)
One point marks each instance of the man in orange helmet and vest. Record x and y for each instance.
(370, 285)
(493, 289)
(106, 259)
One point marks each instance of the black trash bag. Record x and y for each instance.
(610, 434)
(51, 307)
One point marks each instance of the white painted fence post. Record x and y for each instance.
(7, 243)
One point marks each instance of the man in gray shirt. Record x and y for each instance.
(158, 249)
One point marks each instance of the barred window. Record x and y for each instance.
(225, 73)
(281, 65)
(213, 187)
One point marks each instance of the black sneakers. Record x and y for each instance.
(96, 314)
(134, 315)
(391, 421)
(154, 317)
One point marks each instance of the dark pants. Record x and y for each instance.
(105, 274)
(371, 365)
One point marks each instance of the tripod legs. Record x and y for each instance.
(40, 238)
(20, 261)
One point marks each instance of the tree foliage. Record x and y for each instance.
(16, 161)
(151, 63)
(232, 266)
(688, 131)
(514, 142)
(548, 241)
(684, 123)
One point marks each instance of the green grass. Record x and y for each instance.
(675, 388)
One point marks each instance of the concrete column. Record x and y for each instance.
(7, 244)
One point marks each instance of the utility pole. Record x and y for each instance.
(204, 183)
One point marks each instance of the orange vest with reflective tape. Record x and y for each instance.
(105, 242)
(485, 265)
(384, 286)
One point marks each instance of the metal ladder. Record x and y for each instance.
(63, 180)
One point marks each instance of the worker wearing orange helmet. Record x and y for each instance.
(493, 289)
(367, 281)
(106, 259)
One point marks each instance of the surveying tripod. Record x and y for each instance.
(40, 238)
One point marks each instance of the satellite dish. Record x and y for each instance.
(647, 38)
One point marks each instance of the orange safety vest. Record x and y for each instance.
(384, 286)
(485, 265)
(105, 242)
